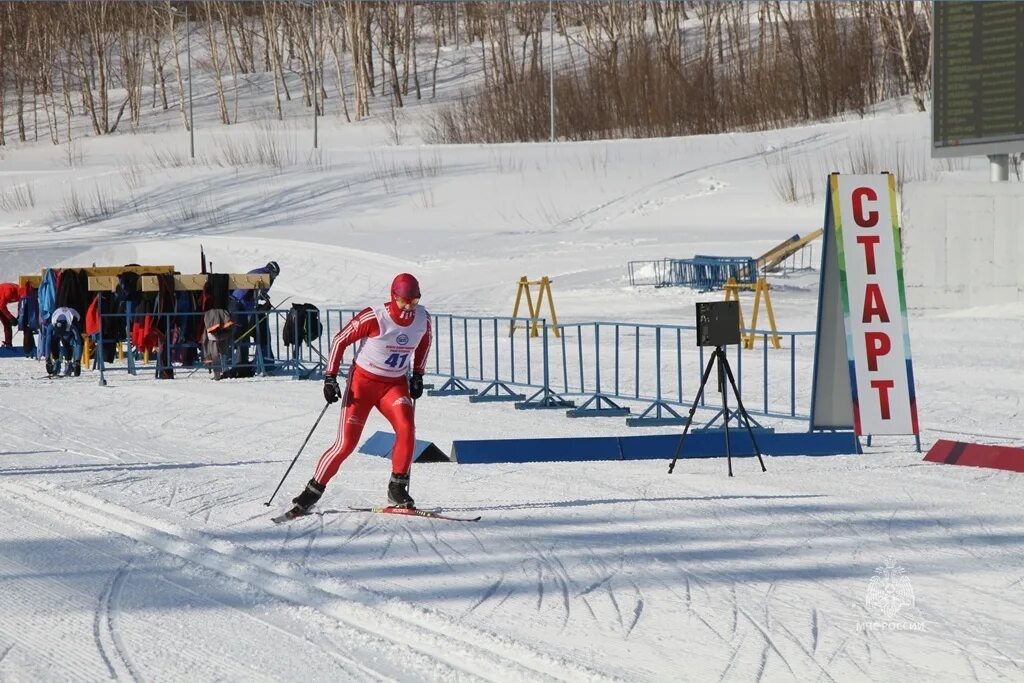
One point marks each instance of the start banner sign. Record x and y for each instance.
(862, 275)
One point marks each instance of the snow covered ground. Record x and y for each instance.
(136, 545)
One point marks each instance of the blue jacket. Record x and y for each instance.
(47, 296)
(248, 296)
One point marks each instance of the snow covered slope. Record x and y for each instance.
(136, 545)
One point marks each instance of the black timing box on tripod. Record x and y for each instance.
(718, 323)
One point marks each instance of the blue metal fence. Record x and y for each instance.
(604, 364)
(176, 347)
(590, 369)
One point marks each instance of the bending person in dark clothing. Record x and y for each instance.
(65, 343)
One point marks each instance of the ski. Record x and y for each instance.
(411, 512)
(416, 512)
(290, 515)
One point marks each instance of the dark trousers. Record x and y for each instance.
(250, 323)
(8, 319)
(62, 347)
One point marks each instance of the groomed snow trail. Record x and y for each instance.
(381, 640)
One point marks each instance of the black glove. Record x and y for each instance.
(332, 392)
(416, 385)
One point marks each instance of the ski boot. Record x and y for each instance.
(305, 501)
(398, 492)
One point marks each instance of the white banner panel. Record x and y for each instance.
(874, 304)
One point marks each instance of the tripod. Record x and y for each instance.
(724, 372)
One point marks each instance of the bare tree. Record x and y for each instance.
(213, 42)
(902, 21)
(177, 62)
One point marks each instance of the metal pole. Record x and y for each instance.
(191, 117)
(99, 341)
(315, 95)
(295, 459)
(999, 166)
(551, 79)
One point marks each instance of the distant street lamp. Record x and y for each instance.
(191, 118)
(551, 47)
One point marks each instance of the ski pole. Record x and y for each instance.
(295, 459)
(258, 321)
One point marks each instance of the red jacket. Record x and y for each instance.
(8, 293)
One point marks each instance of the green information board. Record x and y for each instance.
(977, 78)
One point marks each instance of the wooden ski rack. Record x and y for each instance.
(98, 271)
(104, 279)
(182, 283)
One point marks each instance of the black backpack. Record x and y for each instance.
(302, 325)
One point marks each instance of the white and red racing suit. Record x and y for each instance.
(394, 339)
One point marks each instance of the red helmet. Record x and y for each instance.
(406, 286)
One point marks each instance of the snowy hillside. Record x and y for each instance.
(136, 545)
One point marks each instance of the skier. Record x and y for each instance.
(244, 305)
(8, 296)
(394, 333)
(65, 342)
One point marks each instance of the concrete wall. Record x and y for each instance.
(963, 243)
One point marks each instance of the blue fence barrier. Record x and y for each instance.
(604, 364)
(590, 369)
(256, 345)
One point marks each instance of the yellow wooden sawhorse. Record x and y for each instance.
(732, 293)
(524, 288)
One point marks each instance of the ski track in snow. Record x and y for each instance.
(112, 648)
(768, 634)
(460, 650)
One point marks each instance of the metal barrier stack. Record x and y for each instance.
(704, 273)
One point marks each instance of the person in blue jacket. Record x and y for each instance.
(245, 305)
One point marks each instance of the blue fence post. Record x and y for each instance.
(616, 392)
(99, 341)
(545, 398)
(529, 354)
(659, 407)
(453, 386)
(792, 375)
(765, 362)
(493, 391)
(597, 405)
(260, 368)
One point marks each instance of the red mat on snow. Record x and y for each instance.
(977, 455)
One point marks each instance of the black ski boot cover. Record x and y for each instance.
(309, 497)
(398, 492)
